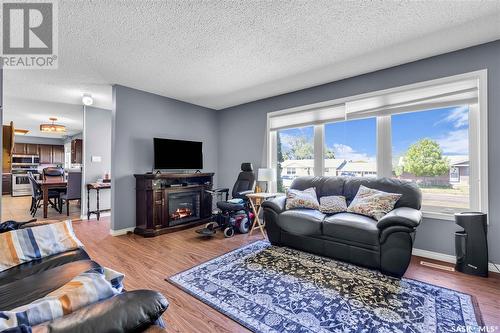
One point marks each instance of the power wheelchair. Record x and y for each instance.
(235, 214)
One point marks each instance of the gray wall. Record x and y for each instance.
(77, 135)
(38, 140)
(138, 117)
(97, 142)
(1, 136)
(244, 126)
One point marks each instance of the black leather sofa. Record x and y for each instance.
(385, 245)
(133, 311)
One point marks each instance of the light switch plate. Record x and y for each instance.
(96, 159)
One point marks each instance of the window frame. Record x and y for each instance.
(478, 138)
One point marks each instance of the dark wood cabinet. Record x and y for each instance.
(58, 154)
(49, 154)
(171, 202)
(19, 149)
(31, 149)
(6, 183)
(77, 151)
(25, 149)
(45, 154)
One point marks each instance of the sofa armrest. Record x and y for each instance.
(277, 204)
(128, 312)
(402, 216)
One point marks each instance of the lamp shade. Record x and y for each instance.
(266, 175)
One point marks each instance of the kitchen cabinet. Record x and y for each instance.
(25, 149)
(51, 154)
(19, 149)
(77, 151)
(31, 149)
(6, 183)
(57, 154)
(45, 154)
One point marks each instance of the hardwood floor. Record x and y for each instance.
(18, 209)
(146, 262)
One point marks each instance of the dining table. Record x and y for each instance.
(46, 185)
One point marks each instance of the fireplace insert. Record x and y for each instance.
(183, 207)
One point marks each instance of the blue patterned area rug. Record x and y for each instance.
(277, 289)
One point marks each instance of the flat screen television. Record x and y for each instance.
(177, 154)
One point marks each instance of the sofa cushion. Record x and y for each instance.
(305, 222)
(31, 288)
(352, 227)
(302, 199)
(373, 203)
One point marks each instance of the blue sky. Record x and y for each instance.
(356, 139)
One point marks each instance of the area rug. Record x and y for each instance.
(277, 289)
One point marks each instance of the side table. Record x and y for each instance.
(255, 202)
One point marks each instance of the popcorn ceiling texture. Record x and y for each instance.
(224, 53)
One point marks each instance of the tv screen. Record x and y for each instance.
(178, 154)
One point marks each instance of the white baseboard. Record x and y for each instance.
(448, 258)
(120, 232)
(94, 217)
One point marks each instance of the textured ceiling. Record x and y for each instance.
(223, 53)
(29, 114)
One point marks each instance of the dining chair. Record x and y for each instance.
(37, 196)
(56, 174)
(53, 173)
(74, 190)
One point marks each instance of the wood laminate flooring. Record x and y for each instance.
(146, 262)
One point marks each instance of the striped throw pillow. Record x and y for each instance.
(24, 245)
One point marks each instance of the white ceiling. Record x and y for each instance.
(224, 53)
(29, 114)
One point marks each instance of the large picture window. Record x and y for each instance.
(350, 148)
(432, 133)
(295, 155)
(431, 148)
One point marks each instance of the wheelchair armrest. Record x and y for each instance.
(218, 190)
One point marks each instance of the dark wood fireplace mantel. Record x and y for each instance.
(169, 202)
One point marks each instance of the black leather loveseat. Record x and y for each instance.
(385, 245)
(133, 311)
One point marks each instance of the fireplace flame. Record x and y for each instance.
(181, 213)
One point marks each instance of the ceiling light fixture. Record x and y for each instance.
(52, 128)
(19, 131)
(87, 99)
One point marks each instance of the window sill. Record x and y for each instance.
(438, 216)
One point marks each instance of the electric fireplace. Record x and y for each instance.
(183, 207)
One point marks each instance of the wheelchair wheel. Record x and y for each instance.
(211, 225)
(244, 226)
(228, 232)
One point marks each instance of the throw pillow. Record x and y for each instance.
(332, 204)
(373, 203)
(23, 245)
(302, 199)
